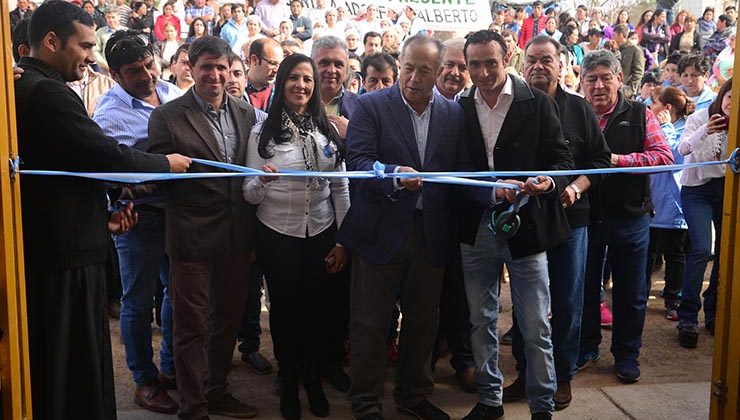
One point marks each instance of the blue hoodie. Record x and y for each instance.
(665, 186)
(704, 99)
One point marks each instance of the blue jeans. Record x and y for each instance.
(530, 295)
(143, 264)
(702, 206)
(627, 240)
(250, 329)
(567, 266)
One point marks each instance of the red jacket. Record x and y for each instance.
(527, 31)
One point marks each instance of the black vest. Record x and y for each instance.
(622, 196)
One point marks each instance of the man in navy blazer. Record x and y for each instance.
(400, 231)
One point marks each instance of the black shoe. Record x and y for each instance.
(290, 405)
(485, 412)
(541, 416)
(337, 378)
(688, 336)
(517, 391)
(425, 411)
(371, 416)
(317, 401)
(229, 406)
(508, 337)
(259, 364)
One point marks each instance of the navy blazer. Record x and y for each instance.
(380, 218)
(349, 102)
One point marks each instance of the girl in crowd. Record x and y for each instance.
(678, 23)
(167, 48)
(575, 52)
(668, 227)
(707, 25)
(704, 139)
(655, 36)
(298, 220)
(197, 30)
(644, 19)
(167, 16)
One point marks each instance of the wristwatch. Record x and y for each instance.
(577, 190)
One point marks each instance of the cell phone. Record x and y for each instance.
(725, 122)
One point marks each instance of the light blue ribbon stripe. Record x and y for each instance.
(457, 178)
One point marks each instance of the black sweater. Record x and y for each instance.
(65, 218)
(587, 145)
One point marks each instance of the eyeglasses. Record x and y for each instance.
(127, 42)
(272, 63)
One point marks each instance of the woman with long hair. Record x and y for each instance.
(140, 20)
(197, 30)
(655, 36)
(623, 18)
(570, 41)
(223, 17)
(668, 227)
(298, 220)
(678, 23)
(688, 40)
(644, 18)
(704, 139)
(167, 47)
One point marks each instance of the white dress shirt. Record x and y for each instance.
(297, 207)
(492, 118)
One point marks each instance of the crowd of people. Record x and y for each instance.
(116, 89)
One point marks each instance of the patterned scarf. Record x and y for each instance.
(300, 129)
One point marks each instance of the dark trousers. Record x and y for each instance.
(454, 316)
(627, 241)
(69, 343)
(670, 243)
(250, 329)
(337, 325)
(374, 292)
(207, 306)
(296, 276)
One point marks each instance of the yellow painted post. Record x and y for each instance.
(15, 378)
(726, 362)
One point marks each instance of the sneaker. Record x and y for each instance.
(259, 364)
(671, 310)
(585, 359)
(606, 316)
(508, 337)
(688, 336)
(628, 370)
(231, 407)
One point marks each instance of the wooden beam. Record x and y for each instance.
(726, 362)
(15, 378)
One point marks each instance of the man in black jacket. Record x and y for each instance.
(511, 127)
(22, 11)
(620, 208)
(567, 261)
(65, 222)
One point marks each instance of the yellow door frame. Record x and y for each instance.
(15, 378)
(726, 361)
